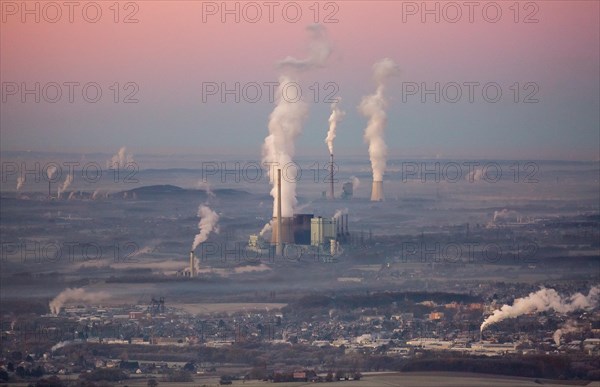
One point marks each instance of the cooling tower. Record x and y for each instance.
(377, 191)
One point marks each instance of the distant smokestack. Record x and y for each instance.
(331, 194)
(49, 193)
(377, 191)
(192, 271)
(278, 239)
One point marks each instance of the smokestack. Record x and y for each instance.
(49, 193)
(331, 195)
(278, 241)
(192, 264)
(377, 191)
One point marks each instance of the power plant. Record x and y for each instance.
(377, 191)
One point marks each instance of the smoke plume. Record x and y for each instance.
(20, 182)
(60, 345)
(75, 294)
(207, 224)
(339, 213)
(373, 107)
(65, 184)
(319, 51)
(505, 215)
(267, 227)
(50, 172)
(544, 300)
(120, 160)
(285, 122)
(355, 183)
(336, 116)
(567, 328)
(475, 175)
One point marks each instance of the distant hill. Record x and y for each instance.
(171, 190)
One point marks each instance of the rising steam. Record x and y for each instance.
(60, 345)
(285, 122)
(544, 300)
(207, 224)
(336, 116)
(120, 160)
(339, 213)
(267, 227)
(75, 294)
(50, 172)
(20, 182)
(355, 183)
(319, 51)
(373, 107)
(65, 184)
(567, 328)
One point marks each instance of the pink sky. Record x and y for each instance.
(170, 52)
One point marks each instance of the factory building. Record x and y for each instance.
(322, 230)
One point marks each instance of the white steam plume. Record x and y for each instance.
(65, 184)
(267, 227)
(336, 116)
(71, 195)
(505, 215)
(96, 194)
(319, 51)
(205, 185)
(50, 172)
(60, 345)
(208, 223)
(568, 327)
(285, 122)
(475, 175)
(373, 107)
(75, 294)
(339, 213)
(355, 183)
(20, 182)
(120, 159)
(543, 300)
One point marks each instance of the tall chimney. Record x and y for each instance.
(192, 271)
(331, 194)
(49, 193)
(377, 191)
(279, 244)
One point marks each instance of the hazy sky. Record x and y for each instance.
(177, 48)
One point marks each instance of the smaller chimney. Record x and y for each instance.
(192, 269)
